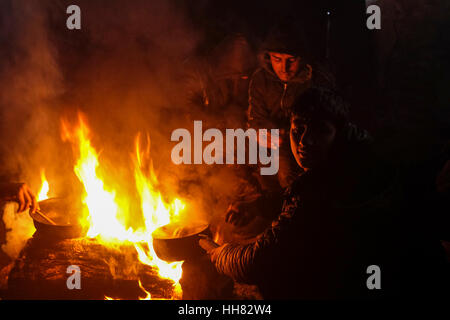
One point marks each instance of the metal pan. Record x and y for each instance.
(57, 219)
(175, 242)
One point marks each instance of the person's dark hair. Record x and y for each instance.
(324, 103)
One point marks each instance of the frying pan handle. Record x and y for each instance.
(39, 212)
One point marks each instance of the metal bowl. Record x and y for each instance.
(63, 213)
(175, 242)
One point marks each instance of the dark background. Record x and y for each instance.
(396, 78)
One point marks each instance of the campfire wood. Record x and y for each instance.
(40, 272)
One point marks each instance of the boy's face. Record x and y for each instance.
(311, 141)
(285, 65)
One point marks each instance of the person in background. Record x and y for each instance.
(286, 70)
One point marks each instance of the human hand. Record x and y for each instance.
(212, 249)
(21, 193)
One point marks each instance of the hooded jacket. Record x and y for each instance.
(270, 99)
(270, 105)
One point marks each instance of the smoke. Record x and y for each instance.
(30, 81)
(124, 71)
(19, 228)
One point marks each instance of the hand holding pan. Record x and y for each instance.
(177, 242)
(212, 249)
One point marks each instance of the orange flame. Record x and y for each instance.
(156, 212)
(103, 216)
(148, 296)
(43, 193)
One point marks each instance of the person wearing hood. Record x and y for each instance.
(286, 71)
(345, 213)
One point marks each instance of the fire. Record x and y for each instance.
(156, 213)
(148, 296)
(104, 216)
(43, 193)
